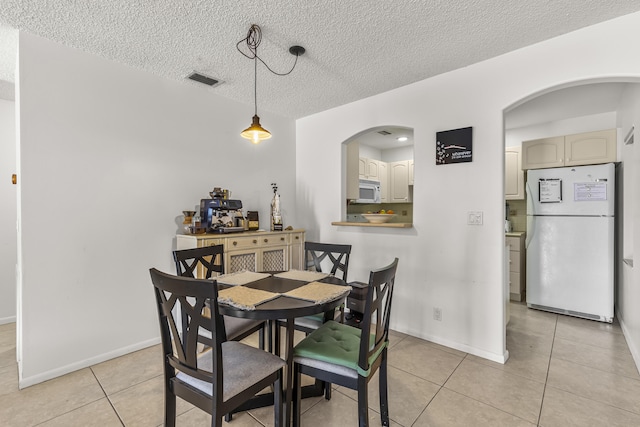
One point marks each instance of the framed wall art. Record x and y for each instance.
(454, 146)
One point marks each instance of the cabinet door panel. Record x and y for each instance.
(241, 260)
(590, 148)
(514, 283)
(362, 167)
(514, 261)
(399, 174)
(275, 259)
(513, 174)
(543, 153)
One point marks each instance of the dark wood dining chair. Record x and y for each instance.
(210, 259)
(220, 379)
(328, 258)
(349, 356)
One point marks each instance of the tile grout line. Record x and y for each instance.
(546, 378)
(439, 389)
(107, 396)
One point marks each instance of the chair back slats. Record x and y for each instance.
(209, 257)
(378, 310)
(338, 255)
(181, 351)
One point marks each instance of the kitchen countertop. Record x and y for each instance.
(369, 224)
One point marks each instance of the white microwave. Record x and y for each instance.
(369, 191)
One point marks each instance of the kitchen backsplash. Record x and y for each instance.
(518, 215)
(403, 211)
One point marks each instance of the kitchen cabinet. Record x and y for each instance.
(411, 172)
(517, 266)
(369, 168)
(587, 148)
(253, 251)
(384, 181)
(353, 158)
(513, 174)
(399, 178)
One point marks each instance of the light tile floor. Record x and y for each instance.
(563, 371)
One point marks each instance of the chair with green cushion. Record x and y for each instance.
(216, 381)
(340, 354)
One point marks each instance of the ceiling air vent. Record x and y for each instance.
(384, 132)
(201, 78)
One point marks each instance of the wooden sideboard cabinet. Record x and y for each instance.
(252, 250)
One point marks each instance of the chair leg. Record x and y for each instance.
(261, 335)
(228, 417)
(216, 420)
(277, 401)
(297, 392)
(276, 338)
(384, 396)
(169, 408)
(363, 402)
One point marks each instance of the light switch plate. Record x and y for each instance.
(474, 218)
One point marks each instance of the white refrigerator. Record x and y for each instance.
(570, 240)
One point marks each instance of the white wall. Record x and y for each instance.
(628, 291)
(8, 234)
(444, 262)
(110, 156)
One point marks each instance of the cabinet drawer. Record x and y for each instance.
(514, 261)
(211, 242)
(295, 238)
(271, 240)
(234, 243)
(513, 242)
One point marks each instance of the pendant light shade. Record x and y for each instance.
(256, 132)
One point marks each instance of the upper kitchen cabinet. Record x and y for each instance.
(369, 169)
(513, 174)
(543, 153)
(384, 182)
(590, 148)
(572, 150)
(411, 172)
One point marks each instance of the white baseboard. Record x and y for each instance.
(5, 320)
(54, 373)
(494, 357)
(635, 353)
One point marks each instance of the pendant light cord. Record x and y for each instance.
(255, 85)
(253, 40)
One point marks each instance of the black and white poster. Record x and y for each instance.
(454, 146)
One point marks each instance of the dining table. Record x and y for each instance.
(280, 296)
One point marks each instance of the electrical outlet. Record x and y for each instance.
(474, 218)
(437, 314)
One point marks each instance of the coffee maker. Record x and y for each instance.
(220, 215)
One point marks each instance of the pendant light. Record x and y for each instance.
(256, 133)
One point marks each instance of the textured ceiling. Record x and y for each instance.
(355, 48)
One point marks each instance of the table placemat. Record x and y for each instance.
(245, 298)
(303, 275)
(318, 292)
(240, 277)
